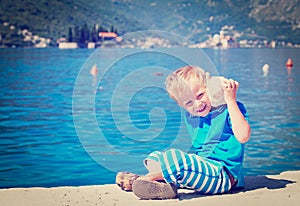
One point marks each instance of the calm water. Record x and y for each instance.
(62, 126)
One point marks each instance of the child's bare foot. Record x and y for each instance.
(125, 180)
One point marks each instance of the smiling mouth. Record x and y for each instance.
(202, 109)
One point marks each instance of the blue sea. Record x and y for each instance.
(60, 125)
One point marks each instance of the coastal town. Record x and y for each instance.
(220, 40)
(226, 38)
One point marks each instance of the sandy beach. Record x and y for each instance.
(283, 189)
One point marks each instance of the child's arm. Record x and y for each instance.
(240, 126)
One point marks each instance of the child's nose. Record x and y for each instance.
(197, 103)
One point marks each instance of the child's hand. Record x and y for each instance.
(230, 88)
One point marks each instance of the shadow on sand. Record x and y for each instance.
(251, 183)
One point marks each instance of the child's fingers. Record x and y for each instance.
(230, 84)
(237, 84)
(225, 83)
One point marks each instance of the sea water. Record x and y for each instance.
(60, 125)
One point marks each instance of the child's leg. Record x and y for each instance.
(194, 172)
(149, 186)
(153, 166)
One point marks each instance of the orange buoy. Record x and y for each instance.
(289, 63)
(94, 70)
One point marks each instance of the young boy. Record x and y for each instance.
(218, 127)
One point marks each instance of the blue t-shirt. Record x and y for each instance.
(213, 139)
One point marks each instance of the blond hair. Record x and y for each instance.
(177, 82)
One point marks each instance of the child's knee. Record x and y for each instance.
(154, 156)
(152, 166)
(152, 162)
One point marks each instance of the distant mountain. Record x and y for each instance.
(195, 19)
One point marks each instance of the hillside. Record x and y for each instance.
(195, 19)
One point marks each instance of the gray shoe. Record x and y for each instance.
(154, 190)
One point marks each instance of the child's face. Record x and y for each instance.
(196, 101)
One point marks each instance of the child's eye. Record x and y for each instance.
(200, 96)
(189, 103)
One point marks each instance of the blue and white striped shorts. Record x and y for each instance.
(191, 171)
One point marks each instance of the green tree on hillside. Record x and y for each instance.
(84, 34)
